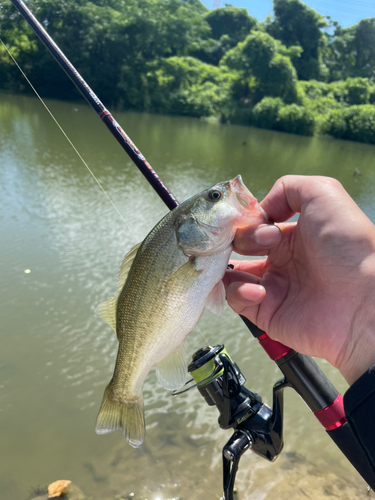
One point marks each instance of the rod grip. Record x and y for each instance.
(344, 438)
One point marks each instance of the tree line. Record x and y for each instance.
(297, 71)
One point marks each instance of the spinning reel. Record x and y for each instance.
(256, 426)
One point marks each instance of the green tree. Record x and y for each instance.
(186, 86)
(267, 72)
(338, 53)
(297, 24)
(228, 26)
(351, 51)
(21, 43)
(364, 46)
(231, 21)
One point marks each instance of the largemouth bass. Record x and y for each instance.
(164, 285)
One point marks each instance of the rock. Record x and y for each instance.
(74, 493)
(59, 488)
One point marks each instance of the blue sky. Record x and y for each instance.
(346, 12)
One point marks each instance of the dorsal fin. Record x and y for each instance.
(107, 310)
(126, 265)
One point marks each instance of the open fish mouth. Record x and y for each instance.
(246, 200)
(243, 195)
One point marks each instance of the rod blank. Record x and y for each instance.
(113, 126)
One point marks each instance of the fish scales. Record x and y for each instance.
(145, 305)
(165, 285)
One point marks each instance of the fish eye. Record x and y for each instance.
(215, 195)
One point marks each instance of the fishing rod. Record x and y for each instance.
(256, 426)
(106, 117)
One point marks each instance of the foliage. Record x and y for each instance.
(352, 90)
(185, 86)
(364, 46)
(296, 24)
(296, 120)
(351, 51)
(273, 114)
(349, 92)
(231, 21)
(265, 113)
(356, 123)
(258, 57)
(288, 73)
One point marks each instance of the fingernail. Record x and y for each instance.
(246, 294)
(267, 236)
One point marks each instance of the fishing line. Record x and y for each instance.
(77, 153)
(68, 139)
(200, 331)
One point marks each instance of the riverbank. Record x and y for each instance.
(294, 478)
(295, 72)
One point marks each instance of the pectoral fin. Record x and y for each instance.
(185, 274)
(216, 300)
(172, 370)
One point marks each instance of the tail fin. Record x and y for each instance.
(129, 418)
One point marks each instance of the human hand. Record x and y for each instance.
(315, 291)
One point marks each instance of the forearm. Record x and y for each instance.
(358, 353)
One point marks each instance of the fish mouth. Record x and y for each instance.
(246, 200)
(243, 195)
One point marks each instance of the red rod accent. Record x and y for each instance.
(332, 416)
(274, 349)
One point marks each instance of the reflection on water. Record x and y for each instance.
(56, 357)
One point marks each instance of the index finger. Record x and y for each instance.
(292, 192)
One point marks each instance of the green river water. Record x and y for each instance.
(56, 357)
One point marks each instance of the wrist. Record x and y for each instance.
(360, 345)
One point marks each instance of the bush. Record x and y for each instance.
(185, 86)
(323, 105)
(265, 113)
(258, 57)
(314, 89)
(355, 123)
(334, 124)
(296, 120)
(253, 54)
(237, 103)
(271, 113)
(351, 91)
(197, 101)
(280, 79)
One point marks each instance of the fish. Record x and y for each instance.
(164, 285)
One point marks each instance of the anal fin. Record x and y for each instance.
(172, 370)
